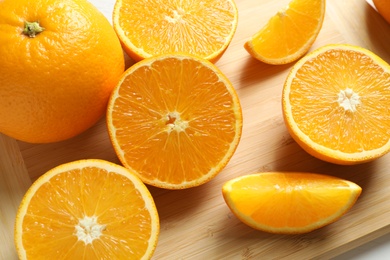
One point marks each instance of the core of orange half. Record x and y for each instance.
(175, 120)
(201, 28)
(336, 104)
(88, 209)
(289, 202)
(289, 34)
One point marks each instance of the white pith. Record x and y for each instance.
(348, 99)
(175, 123)
(177, 16)
(88, 229)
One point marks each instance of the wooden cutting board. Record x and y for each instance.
(196, 223)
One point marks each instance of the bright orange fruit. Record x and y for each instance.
(383, 7)
(175, 120)
(88, 209)
(60, 60)
(335, 104)
(289, 34)
(289, 202)
(201, 28)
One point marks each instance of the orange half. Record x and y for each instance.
(336, 104)
(201, 28)
(175, 120)
(88, 209)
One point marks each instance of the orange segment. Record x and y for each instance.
(289, 203)
(201, 28)
(89, 209)
(335, 104)
(176, 120)
(289, 34)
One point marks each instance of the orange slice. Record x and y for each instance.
(335, 104)
(289, 34)
(88, 209)
(150, 28)
(289, 203)
(175, 120)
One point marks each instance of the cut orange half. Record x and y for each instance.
(88, 209)
(289, 34)
(175, 120)
(289, 203)
(201, 28)
(336, 104)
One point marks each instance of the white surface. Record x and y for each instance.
(378, 249)
(106, 7)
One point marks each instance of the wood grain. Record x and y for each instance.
(196, 223)
(14, 182)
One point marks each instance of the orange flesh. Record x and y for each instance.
(293, 197)
(58, 205)
(289, 202)
(317, 113)
(175, 122)
(289, 33)
(158, 27)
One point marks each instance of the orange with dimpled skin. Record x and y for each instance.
(60, 60)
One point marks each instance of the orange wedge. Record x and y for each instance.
(289, 203)
(336, 104)
(175, 120)
(201, 28)
(88, 209)
(289, 34)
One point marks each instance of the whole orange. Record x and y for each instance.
(383, 7)
(60, 60)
